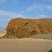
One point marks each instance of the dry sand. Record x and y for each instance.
(25, 45)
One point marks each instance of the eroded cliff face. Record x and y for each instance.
(21, 28)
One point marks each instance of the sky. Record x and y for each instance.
(10, 9)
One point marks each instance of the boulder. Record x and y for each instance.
(24, 28)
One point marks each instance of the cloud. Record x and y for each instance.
(10, 14)
(34, 6)
(39, 7)
(2, 1)
(5, 15)
(41, 16)
(50, 0)
(49, 7)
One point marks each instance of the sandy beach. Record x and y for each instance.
(25, 45)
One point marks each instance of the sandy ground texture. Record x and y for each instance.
(25, 45)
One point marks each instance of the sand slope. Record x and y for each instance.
(25, 45)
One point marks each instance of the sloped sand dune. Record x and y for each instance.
(25, 45)
(2, 34)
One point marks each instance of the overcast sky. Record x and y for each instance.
(24, 8)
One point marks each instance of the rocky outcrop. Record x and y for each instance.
(21, 28)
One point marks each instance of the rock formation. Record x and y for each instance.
(21, 28)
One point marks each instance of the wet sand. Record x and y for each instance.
(25, 45)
